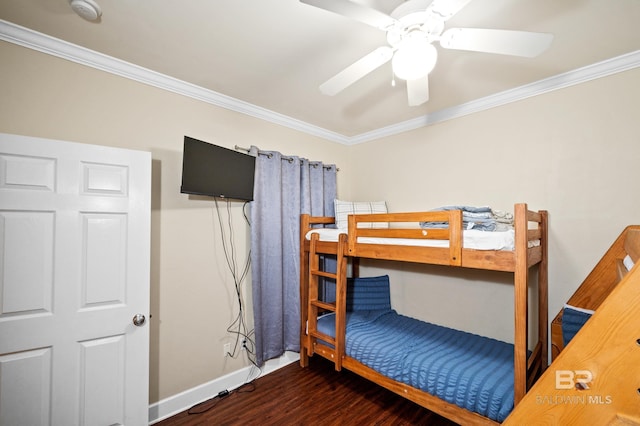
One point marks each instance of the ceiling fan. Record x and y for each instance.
(411, 30)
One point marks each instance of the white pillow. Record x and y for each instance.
(345, 208)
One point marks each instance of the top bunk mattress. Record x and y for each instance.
(472, 239)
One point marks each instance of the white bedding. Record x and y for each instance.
(473, 239)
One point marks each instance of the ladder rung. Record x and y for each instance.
(324, 337)
(324, 274)
(324, 305)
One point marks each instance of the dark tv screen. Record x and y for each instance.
(216, 171)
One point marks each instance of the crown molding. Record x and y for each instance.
(25, 37)
(581, 75)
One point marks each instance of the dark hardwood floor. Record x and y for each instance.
(309, 396)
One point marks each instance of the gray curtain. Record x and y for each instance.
(284, 188)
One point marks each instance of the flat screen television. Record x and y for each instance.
(215, 171)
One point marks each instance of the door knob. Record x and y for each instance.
(139, 320)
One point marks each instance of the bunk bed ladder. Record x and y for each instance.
(331, 348)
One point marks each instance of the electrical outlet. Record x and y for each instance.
(227, 349)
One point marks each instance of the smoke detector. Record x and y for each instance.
(87, 9)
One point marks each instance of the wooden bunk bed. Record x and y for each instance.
(529, 250)
(595, 379)
(604, 277)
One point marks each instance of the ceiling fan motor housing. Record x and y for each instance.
(413, 16)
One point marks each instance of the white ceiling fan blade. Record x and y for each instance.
(418, 91)
(357, 70)
(445, 9)
(356, 11)
(504, 42)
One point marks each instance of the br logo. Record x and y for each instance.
(573, 379)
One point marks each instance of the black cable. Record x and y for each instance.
(214, 401)
(248, 387)
(238, 327)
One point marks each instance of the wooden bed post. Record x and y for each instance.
(520, 302)
(543, 292)
(341, 300)
(455, 237)
(304, 290)
(355, 267)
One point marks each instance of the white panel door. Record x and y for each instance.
(74, 272)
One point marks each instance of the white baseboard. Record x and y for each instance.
(184, 400)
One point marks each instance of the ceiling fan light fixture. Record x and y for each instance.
(412, 28)
(414, 59)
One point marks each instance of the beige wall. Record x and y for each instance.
(573, 152)
(192, 292)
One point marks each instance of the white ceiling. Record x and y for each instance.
(274, 54)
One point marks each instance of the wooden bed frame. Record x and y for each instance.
(594, 380)
(518, 262)
(604, 277)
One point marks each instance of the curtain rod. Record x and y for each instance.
(284, 157)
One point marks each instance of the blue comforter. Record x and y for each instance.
(470, 371)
